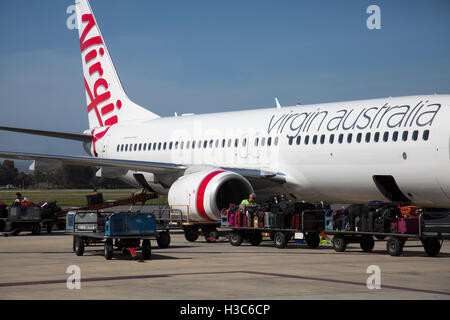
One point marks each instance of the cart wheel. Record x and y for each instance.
(394, 246)
(78, 246)
(211, 234)
(36, 229)
(147, 249)
(236, 238)
(312, 240)
(109, 250)
(432, 246)
(163, 239)
(339, 243)
(255, 238)
(280, 240)
(367, 243)
(49, 227)
(191, 234)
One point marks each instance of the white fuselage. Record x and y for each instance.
(337, 171)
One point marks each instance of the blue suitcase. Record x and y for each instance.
(130, 224)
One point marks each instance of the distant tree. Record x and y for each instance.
(8, 173)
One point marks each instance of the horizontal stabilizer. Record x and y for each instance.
(54, 134)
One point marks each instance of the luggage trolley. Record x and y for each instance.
(431, 232)
(280, 232)
(126, 232)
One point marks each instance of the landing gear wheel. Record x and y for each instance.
(432, 246)
(394, 246)
(255, 238)
(49, 227)
(191, 234)
(367, 243)
(236, 238)
(339, 243)
(312, 240)
(109, 250)
(78, 246)
(147, 249)
(163, 239)
(280, 240)
(36, 229)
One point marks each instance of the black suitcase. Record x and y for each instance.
(94, 199)
(370, 221)
(379, 225)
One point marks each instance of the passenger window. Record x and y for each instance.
(154, 145)
(256, 142)
(359, 137)
(140, 146)
(164, 145)
(236, 142)
(211, 143)
(118, 147)
(341, 138)
(426, 135)
(368, 137)
(298, 140)
(217, 143)
(159, 146)
(322, 139)
(415, 135)
(170, 145)
(176, 145)
(290, 139)
(331, 140)
(145, 146)
(276, 141)
(386, 136)
(181, 145)
(269, 141)
(376, 137)
(395, 136)
(205, 144)
(121, 148)
(349, 138)
(193, 144)
(244, 142)
(223, 143)
(314, 140)
(405, 136)
(229, 143)
(188, 144)
(306, 140)
(126, 147)
(135, 146)
(263, 142)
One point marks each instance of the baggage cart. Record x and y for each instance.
(124, 232)
(312, 222)
(431, 233)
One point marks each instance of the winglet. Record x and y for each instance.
(277, 103)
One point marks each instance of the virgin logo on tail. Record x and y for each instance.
(96, 70)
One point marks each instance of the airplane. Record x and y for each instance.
(387, 149)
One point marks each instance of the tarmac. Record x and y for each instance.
(35, 267)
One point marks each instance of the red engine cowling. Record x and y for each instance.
(202, 195)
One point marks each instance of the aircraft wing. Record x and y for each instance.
(154, 167)
(54, 134)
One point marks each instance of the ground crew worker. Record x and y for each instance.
(251, 200)
(18, 200)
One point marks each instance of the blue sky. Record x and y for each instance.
(208, 56)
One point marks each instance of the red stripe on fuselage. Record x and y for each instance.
(201, 194)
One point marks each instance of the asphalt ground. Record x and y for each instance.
(34, 267)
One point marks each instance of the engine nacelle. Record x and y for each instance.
(203, 194)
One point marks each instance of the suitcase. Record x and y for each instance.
(129, 224)
(370, 221)
(329, 220)
(379, 225)
(363, 223)
(409, 225)
(274, 221)
(393, 227)
(313, 220)
(238, 221)
(266, 219)
(231, 216)
(94, 198)
(410, 211)
(248, 223)
(260, 219)
(295, 221)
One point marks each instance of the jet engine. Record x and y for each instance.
(202, 195)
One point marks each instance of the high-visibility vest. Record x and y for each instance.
(247, 203)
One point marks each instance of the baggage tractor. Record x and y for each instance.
(129, 224)
(379, 225)
(329, 220)
(409, 225)
(266, 219)
(28, 213)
